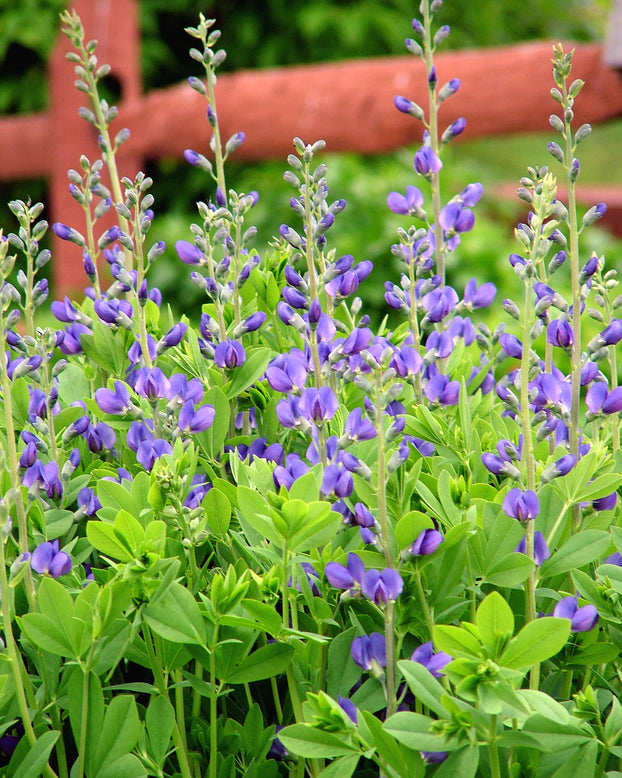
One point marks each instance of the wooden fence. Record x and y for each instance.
(349, 104)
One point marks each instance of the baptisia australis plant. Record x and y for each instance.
(277, 541)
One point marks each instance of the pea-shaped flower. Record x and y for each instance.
(370, 652)
(522, 505)
(434, 662)
(581, 619)
(48, 559)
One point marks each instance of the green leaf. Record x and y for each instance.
(73, 386)
(341, 768)
(212, 440)
(159, 720)
(581, 763)
(402, 760)
(317, 530)
(613, 725)
(456, 642)
(510, 571)
(460, 764)
(423, 685)
(218, 512)
(312, 743)
(128, 766)
(129, 531)
(265, 615)
(53, 630)
(176, 616)
(106, 348)
(266, 662)
(103, 538)
(57, 523)
(112, 494)
(553, 735)
(537, 641)
(410, 526)
(256, 511)
(120, 731)
(33, 763)
(75, 687)
(245, 375)
(595, 654)
(342, 673)
(495, 621)
(601, 486)
(580, 549)
(413, 730)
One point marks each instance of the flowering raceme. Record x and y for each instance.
(205, 473)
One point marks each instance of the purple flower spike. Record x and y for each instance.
(173, 337)
(560, 467)
(363, 516)
(581, 619)
(454, 218)
(427, 162)
(409, 204)
(318, 404)
(478, 297)
(471, 194)
(434, 757)
(427, 542)
(152, 383)
(370, 652)
(440, 389)
(349, 707)
(382, 587)
(193, 421)
(229, 354)
(611, 335)
(511, 345)
(287, 373)
(521, 505)
(606, 503)
(346, 577)
(540, 549)
(47, 559)
(189, 253)
(599, 400)
(358, 427)
(434, 662)
(560, 333)
(150, 450)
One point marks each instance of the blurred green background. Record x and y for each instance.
(282, 32)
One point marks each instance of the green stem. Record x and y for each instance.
(84, 716)
(218, 155)
(381, 488)
(160, 683)
(14, 660)
(61, 754)
(213, 709)
(423, 601)
(495, 768)
(428, 51)
(179, 708)
(22, 521)
(389, 632)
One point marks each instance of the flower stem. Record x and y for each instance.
(495, 768)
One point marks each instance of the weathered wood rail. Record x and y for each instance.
(349, 104)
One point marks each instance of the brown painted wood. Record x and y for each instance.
(348, 104)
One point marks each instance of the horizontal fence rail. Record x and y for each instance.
(348, 104)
